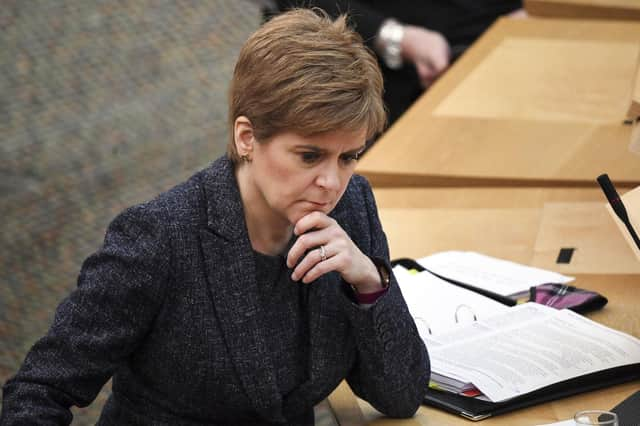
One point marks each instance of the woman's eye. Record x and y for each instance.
(350, 158)
(309, 157)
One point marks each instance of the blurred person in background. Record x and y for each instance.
(415, 41)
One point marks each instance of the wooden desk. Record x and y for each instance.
(503, 222)
(535, 102)
(585, 9)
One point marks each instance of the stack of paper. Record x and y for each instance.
(529, 347)
(488, 273)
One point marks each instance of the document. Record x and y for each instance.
(528, 347)
(438, 306)
(488, 273)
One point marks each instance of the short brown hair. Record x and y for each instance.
(304, 72)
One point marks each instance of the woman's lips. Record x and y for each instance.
(320, 205)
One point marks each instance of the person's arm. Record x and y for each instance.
(427, 50)
(392, 367)
(120, 290)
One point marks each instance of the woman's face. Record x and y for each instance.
(297, 175)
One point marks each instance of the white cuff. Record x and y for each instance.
(389, 43)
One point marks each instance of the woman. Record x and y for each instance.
(246, 294)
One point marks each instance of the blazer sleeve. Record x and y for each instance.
(96, 327)
(392, 367)
(366, 19)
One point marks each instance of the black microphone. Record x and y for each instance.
(617, 206)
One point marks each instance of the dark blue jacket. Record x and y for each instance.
(169, 308)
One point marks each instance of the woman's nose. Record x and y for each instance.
(329, 178)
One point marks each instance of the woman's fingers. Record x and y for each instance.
(324, 247)
(314, 220)
(314, 264)
(316, 231)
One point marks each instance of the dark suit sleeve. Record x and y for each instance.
(120, 290)
(392, 368)
(366, 19)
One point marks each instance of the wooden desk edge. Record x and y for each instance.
(563, 9)
(380, 179)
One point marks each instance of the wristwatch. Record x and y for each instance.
(389, 43)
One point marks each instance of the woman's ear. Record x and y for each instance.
(243, 137)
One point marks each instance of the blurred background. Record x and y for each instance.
(103, 104)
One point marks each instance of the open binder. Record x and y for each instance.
(478, 409)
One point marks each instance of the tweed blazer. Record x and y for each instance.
(169, 308)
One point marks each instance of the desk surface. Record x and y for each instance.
(526, 225)
(504, 222)
(537, 102)
(585, 9)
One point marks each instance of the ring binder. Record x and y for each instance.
(462, 305)
(423, 324)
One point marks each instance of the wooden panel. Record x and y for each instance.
(535, 102)
(634, 114)
(634, 145)
(482, 197)
(500, 222)
(538, 89)
(427, 231)
(634, 106)
(588, 228)
(585, 9)
(525, 225)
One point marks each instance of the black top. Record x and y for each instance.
(285, 304)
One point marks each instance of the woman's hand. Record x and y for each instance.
(319, 235)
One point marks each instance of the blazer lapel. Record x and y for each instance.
(230, 269)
